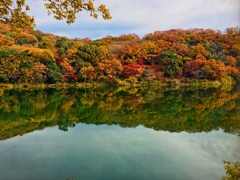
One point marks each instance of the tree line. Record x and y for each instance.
(32, 56)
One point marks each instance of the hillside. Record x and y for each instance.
(33, 56)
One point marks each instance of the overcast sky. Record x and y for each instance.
(142, 17)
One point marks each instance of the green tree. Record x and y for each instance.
(46, 43)
(63, 44)
(171, 64)
(9, 64)
(45, 57)
(5, 52)
(92, 53)
(53, 72)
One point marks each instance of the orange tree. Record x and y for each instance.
(109, 69)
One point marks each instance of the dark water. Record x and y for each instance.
(118, 133)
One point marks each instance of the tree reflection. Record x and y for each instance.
(187, 110)
(232, 170)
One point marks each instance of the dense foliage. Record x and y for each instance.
(37, 57)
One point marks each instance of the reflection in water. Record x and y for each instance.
(174, 134)
(175, 111)
(111, 152)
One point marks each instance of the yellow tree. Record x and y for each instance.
(14, 12)
(149, 49)
(109, 69)
(86, 73)
(197, 50)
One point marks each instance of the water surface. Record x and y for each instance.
(118, 134)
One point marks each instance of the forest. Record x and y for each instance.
(35, 57)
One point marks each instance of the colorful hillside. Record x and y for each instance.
(33, 56)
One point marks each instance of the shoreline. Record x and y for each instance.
(170, 83)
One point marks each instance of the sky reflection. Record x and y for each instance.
(112, 152)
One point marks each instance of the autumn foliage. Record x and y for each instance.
(38, 57)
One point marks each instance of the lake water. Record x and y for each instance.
(123, 133)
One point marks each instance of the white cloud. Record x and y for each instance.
(145, 16)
